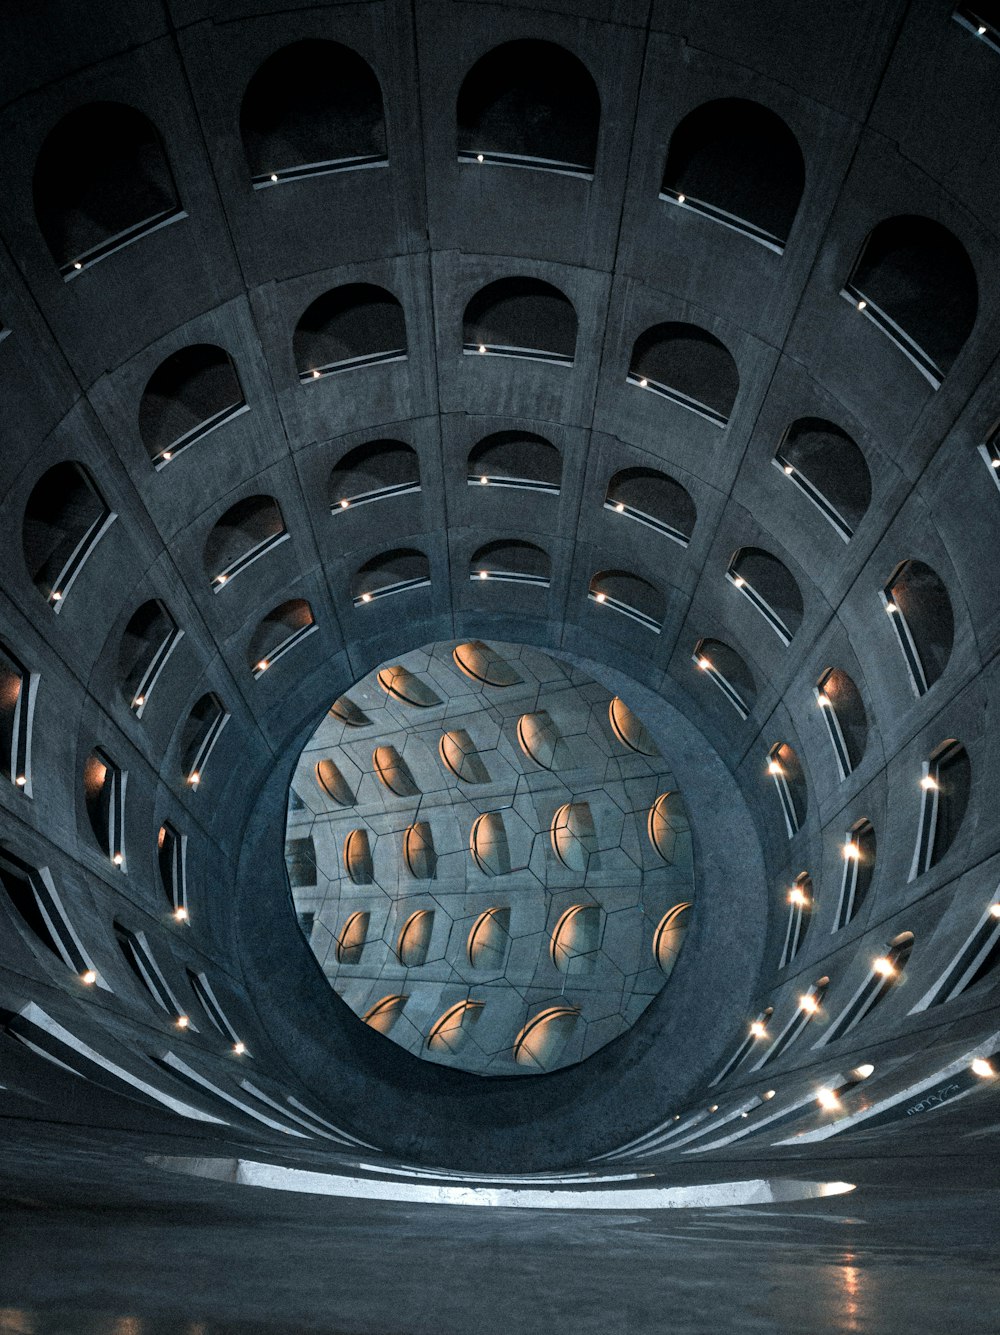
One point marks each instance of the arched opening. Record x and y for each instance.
(654, 499)
(281, 630)
(104, 786)
(489, 846)
(460, 756)
(358, 861)
(739, 164)
(202, 729)
(919, 609)
(689, 366)
(382, 1017)
(481, 662)
(574, 836)
(331, 781)
(191, 392)
(33, 895)
(845, 718)
(452, 1030)
(800, 905)
(376, 471)
(18, 688)
(414, 942)
(419, 852)
(399, 571)
(515, 459)
(785, 769)
(102, 181)
(770, 587)
(247, 531)
(631, 595)
(729, 672)
(858, 852)
(945, 788)
(64, 520)
(356, 325)
(171, 863)
(404, 685)
(393, 772)
(669, 937)
(489, 939)
(511, 561)
(828, 467)
(669, 829)
(147, 642)
(629, 728)
(313, 107)
(576, 939)
(352, 937)
(529, 104)
(914, 280)
(520, 317)
(543, 1040)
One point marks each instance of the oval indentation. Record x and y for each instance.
(450, 1031)
(574, 838)
(402, 684)
(384, 1014)
(459, 754)
(668, 829)
(333, 783)
(419, 851)
(577, 938)
(352, 938)
(348, 712)
(482, 663)
(415, 939)
(540, 740)
(629, 729)
(488, 841)
(542, 1040)
(394, 772)
(358, 857)
(489, 939)
(669, 936)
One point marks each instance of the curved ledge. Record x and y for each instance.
(402, 684)
(358, 858)
(333, 783)
(394, 772)
(419, 851)
(629, 730)
(573, 835)
(450, 1031)
(348, 712)
(352, 938)
(488, 843)
(459, 755)
(415, 939)
(670, 936)
(482, 663)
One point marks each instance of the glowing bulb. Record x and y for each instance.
(995, 910)
(239, 1047)
(139, 701)
(862, 304)
(797, 896)
(221, 579)
(344, 504)
(714, 1108)
(891, 608)
(263, 665)
(484, 574)
(643, 383)
(315, 375)
(181, 914)
(773, 768)
(982, 1068)
(194, 778)
(56, 595)
(981, 30)
(482, 348)
(89, 977)
(77, 265)
(704, 663)
(483, 481)
(167, 456)
(479, 157)
(21, 780)
(826, 1098)
(884, 966)
(681, 199)
(739, 581)
(366, 597)
(864, 1071)
(929, 783)
(182, 1022)
(823, 700)
(995, 463)
(851, 851)
(274, 177)
(808, 1003)
(601, 597)
(118, 859)
(620, 507)
(758, 1029)
(789, 470)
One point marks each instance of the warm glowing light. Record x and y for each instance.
(826, 1098)
(182, 1022)
(864, 1070)
(344, 504)
(221, 579)
(758, 1029)
(704, 663)
(891, 608)
(601, 597)
(929, 783)
(823, 700)
(56, 595)
(366, 597)
(239, 1047)
(995, 463)
(714, 1108)
(21, 780)
(643, 383)
(995, 910)
(89, 976)
(139, 701)
(739, 581)
(167, 456)
(483, 481)
(808, 1003)
(273, 177)
(194, 778)
(981, 30)
(681, 199)
(77, 265)
(797, 896)
(181, 914)
(315, 375)
(118, 859)
(862, 304)
(768, 1094)
(479, 157)
(482, 348)
(789, 470)
(263, 665)
(851, 851)
(982, 1068)
(773, 768)
(620, 507)
(884, 966)
(484, 574)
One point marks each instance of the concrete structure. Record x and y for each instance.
(682, 319)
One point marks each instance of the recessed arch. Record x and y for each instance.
(770, 587)
(519, 459)
(284, 627)
(573, 835)
(202, 730)
(945, 789)
(246, 531)
(920, 611)
(689, 366)
(419, 851)
(347, 712)
(532, 104)
(313, 107)
(859, 852)
(512, 561)
(102, 180)
(357, 325)
(383, 1016)
(669, 829)
(654, 499)
(482, 663)
(542, 1041)
(352, 937)
(394, 772)
(845, 716)
(489, 845)
(331, 781)
(738, 163)
(489, 939)
(576, 938)
(378, 470)
(104, 786)
(400, 570)
(541, 741)
(460, 755)
(150, 636)
(403, 685)
(669, 936)
(785, 769)
(727, 670)
(65, 518)
(451, 1031)
(631, 596)
(913, 278)
(629, 728)
(521, 317)
(828, 467)
(358, 861)
(191, 393)
(415, 939)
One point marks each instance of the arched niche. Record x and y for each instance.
(393, 772)
(65, 518)
(542, 1041)
(770, 587)
(915, 281)
(247, 531)
(149, 638)
(828, 467)
(378, 470)
(669, 830)
(415, 939)
(845, 717)
(284, 627)
(631, 596)
(202, 730)
(521, 317)
(738, 163)
(511, 561)
(629, 728)
(383, 1016)
(669, 937)
(403, 685)
(785, 769)
(419, 851)
(489, 939)
(460, 755)
(191, 392)
(576, 939)
(654, 499)
(541, 741)
(397, 571)
(311, 108)
(921, 616)
(345, 711)
(359, 324)
(689, 366)
(518, 459)
(358, 861)
(102, 180)
(529, 104)
(451, 1031)
(481, 662)
(352, 937)
(489, 845)
(728, 670)
(573, 835)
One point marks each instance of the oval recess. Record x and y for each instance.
(482, 663)
(573, 835)
(669, 936)
(333, 783)
(415, 939)
(358, 857)
(576, 938)
(541, 741)
(402, 684)
(419, 851)
(543, 1039)
(668, 829)
(488, 842)
(451, 1030)
(459, 754)
(394, 772)
(629, 729)
(489, 938)
(352, 937)
(384, 1014)
(348, 712)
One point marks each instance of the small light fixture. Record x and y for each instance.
(239, 1047)
(643, 383)
(851, 851)
(768, 1094)
(344, 503)
(758, 1029)
(274, 177)
(797, 896)
(808, 1003)
(600, 597)
(315, 375)
(263, 665)
(77, 264)
(221, 579)
(891, 608)
(681, 199)
(182, 1022)
(704, 663)
(827, 1099)
(982, 1068)
(995, 910)
(773, 768)
(167, 456)
(483, 481)
(739, 581)
(21, 780)
(823, 700)
(89, 977)
(929, 783)
(366, 597)
(118, 859)
(714, 1108)
(194, 778)
(883, 966)
(139, 701)
(995, 463)
(981, 30)
(620, 507)
(479, 157)
(56, 595)
(181, 913)
(482, 348)
(864, 1070)
(862, 304)
(484, 574)
(788, 470)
